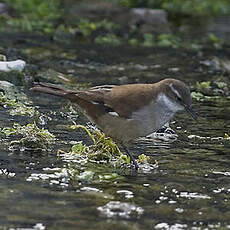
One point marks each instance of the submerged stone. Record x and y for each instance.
(7, 66)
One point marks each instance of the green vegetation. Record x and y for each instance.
(17, 107)
(149, 40)
(29, 137)
(210, 90)
(183, 7)
(215, 41)
(102, 150)
(108, 39)
(87, 27)
(95, 163)
(203, 87)
(34, 15)
(48, 17)
(168, 40)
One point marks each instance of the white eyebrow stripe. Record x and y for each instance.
(113, 114)
(94, 102)
(104, 89)
(175, 91)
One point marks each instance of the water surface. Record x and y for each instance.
(190, 188)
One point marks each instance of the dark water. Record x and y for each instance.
(190, 187)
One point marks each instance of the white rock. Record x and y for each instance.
(8, 66)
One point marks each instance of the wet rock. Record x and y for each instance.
(5, 85)
(226, 66)
(213, 64)
(7, 66)
(13, 93)
(149, 20)
(216, 64)
(2, 57)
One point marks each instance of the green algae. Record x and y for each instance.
(103, 148)
(110, 39)
(16, 107)
(203, 87)
(28, 136)
(143, 158)
(211, 90)
(97, 162)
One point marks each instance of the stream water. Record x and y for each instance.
(190, 188)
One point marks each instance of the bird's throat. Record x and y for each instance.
(168, 104)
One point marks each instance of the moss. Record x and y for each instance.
(103, 148)
(103, 155)
(109, 38)
(204, 86)
(86, 27)
(143, 158)
(133, 42)
(17, 107)
(168, 40)
(35, 15)
(215, 41)
(162, 40)
(149, 40)
(28, 136)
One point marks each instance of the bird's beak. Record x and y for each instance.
(191, 112)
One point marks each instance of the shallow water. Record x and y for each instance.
(190, 187)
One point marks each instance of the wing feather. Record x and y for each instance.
(123, 100)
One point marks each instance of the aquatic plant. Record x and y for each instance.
(28, 136)
(203, 87)
(17, 107)
(103, 150)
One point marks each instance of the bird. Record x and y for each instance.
(127, 112)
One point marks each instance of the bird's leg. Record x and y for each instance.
(131, 157)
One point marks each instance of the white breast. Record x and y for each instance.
(169, 104)
(153, 116)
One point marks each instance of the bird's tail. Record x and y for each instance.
(51, 89)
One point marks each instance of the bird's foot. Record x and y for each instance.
(135, 164)
(132, 160)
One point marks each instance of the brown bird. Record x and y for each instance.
(127, 112)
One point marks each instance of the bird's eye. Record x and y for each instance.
(178, 98)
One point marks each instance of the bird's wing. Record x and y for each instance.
(94, 95)
(123, 100)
